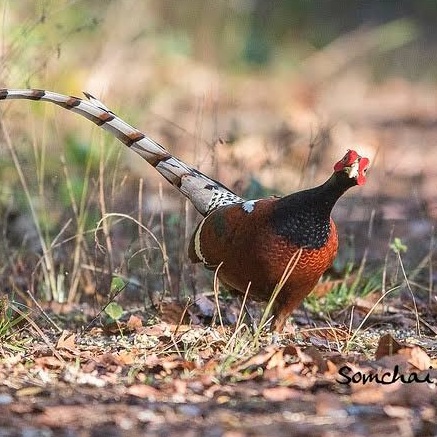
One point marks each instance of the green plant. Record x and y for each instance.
(114, 311)
(344, 293)
(10, 319)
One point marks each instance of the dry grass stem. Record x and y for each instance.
(216, 284)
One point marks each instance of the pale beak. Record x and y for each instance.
(353, 170)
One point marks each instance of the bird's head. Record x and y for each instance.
(354, 165)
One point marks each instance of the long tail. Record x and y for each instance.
(205, 193)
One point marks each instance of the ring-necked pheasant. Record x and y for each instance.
(251, 242)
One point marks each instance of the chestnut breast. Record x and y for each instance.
(242, 239)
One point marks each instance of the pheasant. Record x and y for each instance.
(253, 244)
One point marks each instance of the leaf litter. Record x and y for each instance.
(153, 378)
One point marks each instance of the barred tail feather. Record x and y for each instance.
(205, 193)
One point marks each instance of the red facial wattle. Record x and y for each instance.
(349, 160)
(362, 168)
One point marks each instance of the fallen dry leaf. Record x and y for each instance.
(313, 355)
(332, 368)
(67, 341)
(288, 375)
(276, 360)
(279, 394)
(134, 323)
(143, 391)
(176, 362)
(126, 358)
(173, 313)
(157, 330)
(417, 357)
(49, 362)
(387, 346)
(392, 352)
(259, 359)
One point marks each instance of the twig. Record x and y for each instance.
(42, 311)
(39, 331)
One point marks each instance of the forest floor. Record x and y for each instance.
(170, 379)
(359, 361)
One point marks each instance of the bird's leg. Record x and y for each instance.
(244, 312)
(281, 311)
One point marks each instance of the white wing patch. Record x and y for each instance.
(249, 205)
(197, 249)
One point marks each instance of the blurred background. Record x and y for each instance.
(263, 95)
